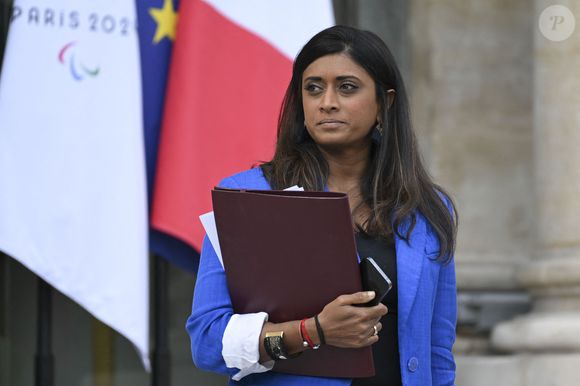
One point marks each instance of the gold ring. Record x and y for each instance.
(376, 331)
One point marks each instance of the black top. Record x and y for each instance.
(386, 350)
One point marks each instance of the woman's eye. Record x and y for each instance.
(348, 87)
(312, 88)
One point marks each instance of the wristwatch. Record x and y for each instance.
(274, 345)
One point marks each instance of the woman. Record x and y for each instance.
(345, 127)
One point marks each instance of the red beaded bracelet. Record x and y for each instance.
(306, 340)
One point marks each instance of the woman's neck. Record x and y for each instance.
(346, 168)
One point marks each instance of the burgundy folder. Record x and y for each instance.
(289, 253)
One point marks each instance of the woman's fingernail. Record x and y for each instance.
(371, 294)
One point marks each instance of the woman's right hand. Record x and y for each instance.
(346, 325)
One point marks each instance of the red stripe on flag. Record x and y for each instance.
(224, 93)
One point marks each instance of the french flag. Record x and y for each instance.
(230, 66)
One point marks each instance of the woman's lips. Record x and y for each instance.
(330, 123)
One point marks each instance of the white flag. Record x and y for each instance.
(72, 171)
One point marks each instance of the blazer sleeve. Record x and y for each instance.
(211, 310)
(443, 325)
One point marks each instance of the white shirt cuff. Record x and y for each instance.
(240, 344)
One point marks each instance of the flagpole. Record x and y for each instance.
(5, 10)
(103, 354)
(161, 354)
(44, 360)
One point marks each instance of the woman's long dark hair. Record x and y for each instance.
(396, 184)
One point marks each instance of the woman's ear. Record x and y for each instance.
(390, 97)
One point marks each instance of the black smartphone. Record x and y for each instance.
(374, 279)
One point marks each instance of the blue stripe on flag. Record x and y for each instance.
(155, 41)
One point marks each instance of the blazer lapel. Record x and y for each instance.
(409, 265)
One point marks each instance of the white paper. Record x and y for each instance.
(208, 222)
(295, 188)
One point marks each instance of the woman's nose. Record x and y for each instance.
(329, 101)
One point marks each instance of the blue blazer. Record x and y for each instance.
(427, 309)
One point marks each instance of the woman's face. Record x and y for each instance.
(339, 102)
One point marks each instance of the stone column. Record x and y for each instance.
(471, 93)
(550, 334)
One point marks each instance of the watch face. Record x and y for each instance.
(274, 345)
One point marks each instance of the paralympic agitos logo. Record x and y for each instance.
(77, 68)
(85, 22)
